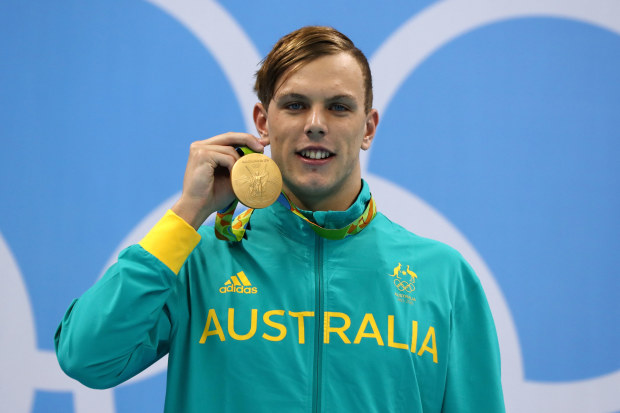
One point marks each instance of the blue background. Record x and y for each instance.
(510, 131)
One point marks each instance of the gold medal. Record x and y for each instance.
(256, 180)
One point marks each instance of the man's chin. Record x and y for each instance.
(311, 187)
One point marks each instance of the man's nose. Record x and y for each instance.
(316, 126)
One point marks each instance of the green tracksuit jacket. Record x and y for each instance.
(287, 321)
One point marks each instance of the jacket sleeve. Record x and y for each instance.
(122, 324)
(474, 374)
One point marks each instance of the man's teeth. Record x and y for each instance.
(313, 154)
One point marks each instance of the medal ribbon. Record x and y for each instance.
(228, 229)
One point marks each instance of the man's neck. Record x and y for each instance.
(340, 201)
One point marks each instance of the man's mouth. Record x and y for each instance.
(315, 154)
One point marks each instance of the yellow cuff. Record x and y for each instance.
(171, 241)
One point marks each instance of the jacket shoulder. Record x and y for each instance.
(392, 232)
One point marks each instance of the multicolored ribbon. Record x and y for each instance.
(228, 229)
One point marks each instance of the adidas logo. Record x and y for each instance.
(238, 284)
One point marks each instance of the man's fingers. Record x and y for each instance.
(216, 155)
(223, 156)
(264, 141)
(236, 139)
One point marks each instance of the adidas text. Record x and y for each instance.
(238, 289)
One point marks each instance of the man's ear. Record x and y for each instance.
(260, 120)
(372, 121)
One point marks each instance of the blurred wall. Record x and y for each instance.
(499, 135)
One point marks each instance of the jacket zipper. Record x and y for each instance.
(318, 324)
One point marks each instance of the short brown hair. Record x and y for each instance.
(302, 46)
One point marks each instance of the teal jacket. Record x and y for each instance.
(287, 321)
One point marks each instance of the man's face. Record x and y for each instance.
(316, 125)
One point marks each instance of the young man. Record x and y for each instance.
(315, 303)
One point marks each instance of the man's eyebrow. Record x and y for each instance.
(342, 97)
(299, 96)
(291, 95)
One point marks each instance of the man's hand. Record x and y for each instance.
(206, 185)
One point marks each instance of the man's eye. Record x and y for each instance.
(339, 107)
(294, 106)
